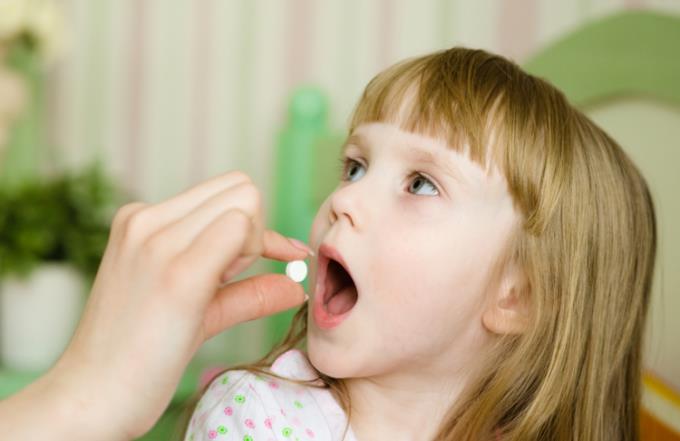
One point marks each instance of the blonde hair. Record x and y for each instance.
(586, 246)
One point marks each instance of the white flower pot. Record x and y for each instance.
(38, 315)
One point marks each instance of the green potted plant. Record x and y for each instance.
(53, 232)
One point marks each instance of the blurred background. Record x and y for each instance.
(103, 102)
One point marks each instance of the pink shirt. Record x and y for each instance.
(243, 406)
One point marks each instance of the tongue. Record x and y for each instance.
(343, 301)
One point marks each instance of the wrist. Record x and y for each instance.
(56, 407)
(80, 406)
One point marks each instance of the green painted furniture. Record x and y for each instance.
(629, 53)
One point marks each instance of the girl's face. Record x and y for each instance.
(418, 226)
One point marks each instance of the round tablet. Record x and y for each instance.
(297, 270)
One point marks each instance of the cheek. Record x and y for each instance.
(428, 272)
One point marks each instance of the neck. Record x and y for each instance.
(402, 405)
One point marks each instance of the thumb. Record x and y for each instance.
(250, 299)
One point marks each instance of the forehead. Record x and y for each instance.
(407, 144)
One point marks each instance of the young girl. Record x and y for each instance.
(483, 272)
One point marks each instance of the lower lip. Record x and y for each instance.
(326, 320)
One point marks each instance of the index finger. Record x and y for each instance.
(277, 246)
(180, 205)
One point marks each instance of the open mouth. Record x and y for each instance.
(336, 291)
(340, 292)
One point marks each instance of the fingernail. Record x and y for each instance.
(306, 297)
(301, 245)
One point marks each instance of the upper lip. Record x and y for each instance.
(326, 253)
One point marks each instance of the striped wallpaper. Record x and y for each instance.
(171, 92)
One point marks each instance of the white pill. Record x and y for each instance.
(297, 270)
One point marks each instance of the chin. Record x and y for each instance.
(329, 359)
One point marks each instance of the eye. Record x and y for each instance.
(350, 167)
(422, 181)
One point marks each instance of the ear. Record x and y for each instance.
(507, 311)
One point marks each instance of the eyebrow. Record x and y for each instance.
(414, 152)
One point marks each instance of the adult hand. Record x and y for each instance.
(159, 294)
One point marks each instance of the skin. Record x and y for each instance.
(420, 253)
(160, 292)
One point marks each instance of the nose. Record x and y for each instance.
(346, 202)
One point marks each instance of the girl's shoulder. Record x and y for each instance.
(243, 405)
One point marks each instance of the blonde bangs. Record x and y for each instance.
(433, 96)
